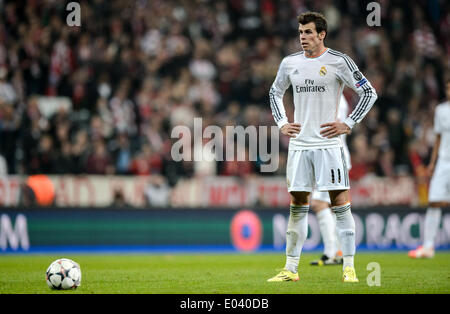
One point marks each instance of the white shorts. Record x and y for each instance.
(325, 196)
(440, 182)
(317, 169)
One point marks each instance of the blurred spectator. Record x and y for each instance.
(396, 135)
(157, 192)
(123, 111)
(10, 130)
(80, 150)
(385, 164)
(64, 162)
(119, 199)
(361, 164)
(122, 154)
(241, 166)
(146, 162)
(27, 197)
(8, 95)
(44, 159)
(99, 161)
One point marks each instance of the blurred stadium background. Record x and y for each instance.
(86, 115)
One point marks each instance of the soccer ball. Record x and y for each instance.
(63, 274)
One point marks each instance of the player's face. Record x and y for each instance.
(309, 38)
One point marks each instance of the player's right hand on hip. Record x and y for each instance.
(291, 129)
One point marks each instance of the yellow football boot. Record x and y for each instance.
(284, 275)
(349, 275)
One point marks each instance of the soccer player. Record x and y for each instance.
(439, 170)
(320, 204)
(315, 157)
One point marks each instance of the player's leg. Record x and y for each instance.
(320, 204)
(297, 229)
(332, 175)
(439, 196)
(345, 226)
(432, 222)
(296, 233)
(300, 182)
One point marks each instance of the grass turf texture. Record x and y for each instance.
(224, 274)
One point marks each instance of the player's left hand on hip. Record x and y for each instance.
(333, 129)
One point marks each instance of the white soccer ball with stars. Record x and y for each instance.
(63, 274)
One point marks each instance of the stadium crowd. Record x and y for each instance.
(136, 69)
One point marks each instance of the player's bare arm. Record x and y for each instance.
(334, 129)
(291, 129)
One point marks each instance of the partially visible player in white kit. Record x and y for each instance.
(439, 169)
(316, 155)
(321, 205)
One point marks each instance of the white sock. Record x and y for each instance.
(432, 222)
(348, 261)
(296, 234)
(345, 225)
(336, 235)
(327, 226)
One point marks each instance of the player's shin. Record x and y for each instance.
(327, 226)
(296, 234)
(432, 221)
(345, 225)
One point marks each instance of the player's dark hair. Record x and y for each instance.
(317, 18)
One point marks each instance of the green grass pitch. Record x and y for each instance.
(224, 274)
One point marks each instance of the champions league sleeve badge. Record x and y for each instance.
(359, 77)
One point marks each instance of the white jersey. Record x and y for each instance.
(343, 109)
(442, 127)
(317, 85)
